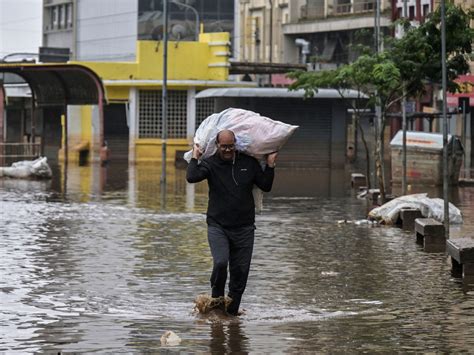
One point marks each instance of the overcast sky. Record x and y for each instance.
(20, 26)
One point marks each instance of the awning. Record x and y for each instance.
(276, 93)
(263, 68)
(59, 84)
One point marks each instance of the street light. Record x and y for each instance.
(445, 119)
(164, 100)
(164, 96)
(195, 14)
(404, 121)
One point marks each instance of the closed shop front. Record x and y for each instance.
(310, 146)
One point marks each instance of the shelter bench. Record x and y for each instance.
(373, 195)
(461, 251)
(358, 180)
(408, 217)
(430, 233)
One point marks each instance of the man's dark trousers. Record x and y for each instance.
(233, 247)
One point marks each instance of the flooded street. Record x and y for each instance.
(99, 259)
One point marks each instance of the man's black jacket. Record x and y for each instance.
(230, 183)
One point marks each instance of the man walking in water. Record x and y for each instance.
(231, 176)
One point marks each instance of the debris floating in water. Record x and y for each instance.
(429, 208)
(204, 303)
(170, 338)
(28, 169)
(357, 222)
(329, 273)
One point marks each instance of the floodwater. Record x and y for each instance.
(101, 260)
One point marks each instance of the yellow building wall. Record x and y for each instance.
(82, 141)
(150, 149)
(206, 60)
(203, 60)
(117, 93)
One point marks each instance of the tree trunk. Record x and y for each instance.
(379, 163)
(379, 170)
(367, 153)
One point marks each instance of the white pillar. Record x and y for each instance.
(132, 120)
(190, 130)
(97, 181)
(190, 196)
(74, 124)
(191, 114)
(132, 185)
(95, 144)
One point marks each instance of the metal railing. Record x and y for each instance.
(20, 150)
(342, 9)
(368, 6)
(354, 8)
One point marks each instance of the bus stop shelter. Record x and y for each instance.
(54, 85)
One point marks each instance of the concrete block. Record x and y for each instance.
(408, 216)
(358, 180)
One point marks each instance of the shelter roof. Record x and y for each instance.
(263, 68)
(59, 84)
(276, 93)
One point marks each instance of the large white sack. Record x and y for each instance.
(429, 208)
(25, 169)
(255, 135)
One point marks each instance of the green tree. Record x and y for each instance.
(376, 79)
(402, 70)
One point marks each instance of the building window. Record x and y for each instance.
(204, 108)
(66, 14)
(412, 12)
(54, 17)
(69, 15)
(426, 9)
(214, 15)
(60, 17)
(343, 6)
(150, 123)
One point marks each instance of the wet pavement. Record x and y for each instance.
(101, 260)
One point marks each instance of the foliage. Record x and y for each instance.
(402, 70)
(459, 38)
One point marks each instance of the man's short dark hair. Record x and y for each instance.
(218, 133)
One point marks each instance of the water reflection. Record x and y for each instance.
(95, 260)
(228, 338)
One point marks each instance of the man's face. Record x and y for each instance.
(226, 146)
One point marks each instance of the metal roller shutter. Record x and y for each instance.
(116, 131)
(310, 146)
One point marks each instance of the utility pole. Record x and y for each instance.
(378, 114)
(404, 122)
(445, 119)
(377, 26)
(164, 98)
(270, 40)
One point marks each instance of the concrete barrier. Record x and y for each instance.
(430, 233)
